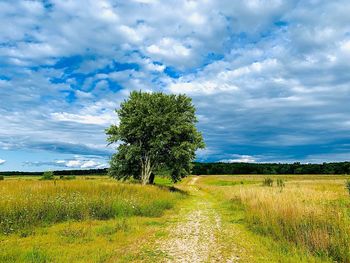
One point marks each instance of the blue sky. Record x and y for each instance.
(270, 79)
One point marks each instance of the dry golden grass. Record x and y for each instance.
(311, 212)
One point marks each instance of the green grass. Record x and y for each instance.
(86, 219)
(85, 241)
(231, 183)
(96, 219)
(164, 181)
(25, 204)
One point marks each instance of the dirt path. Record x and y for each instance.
(194, 231)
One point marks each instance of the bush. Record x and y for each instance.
(2, 178)
(347, 185)
(268, 182)
(47, 176)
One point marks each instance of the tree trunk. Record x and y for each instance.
(145, 170)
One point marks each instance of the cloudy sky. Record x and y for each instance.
(270, 79)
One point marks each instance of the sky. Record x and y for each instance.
(270, 79)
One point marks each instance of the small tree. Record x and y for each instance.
(48, 175)
(156, 131)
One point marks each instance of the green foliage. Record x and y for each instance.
(2, 178)
(48, 175)
(268, 182)
(347, 185)
(156, 131)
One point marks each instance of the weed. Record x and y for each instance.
(268, 182)
(281, 184)
(347, 185)
(36, 255)
(120, 225)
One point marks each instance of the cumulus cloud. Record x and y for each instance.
(99, 113)
(83, 164)
(78, 162)
(2, 161)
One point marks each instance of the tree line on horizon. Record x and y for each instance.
(228, 168)
(271, 168)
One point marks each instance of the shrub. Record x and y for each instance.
(268, 182)
(280, 183)
(347, 185)
(2, 178)
(48, 175)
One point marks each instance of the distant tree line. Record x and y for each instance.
(271, 168)
(229, 168)
(61, 172)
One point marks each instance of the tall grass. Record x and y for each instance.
(313, 219)
(25, 204)
(312, 211)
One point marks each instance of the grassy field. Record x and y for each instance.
(310, 211)
(40, 220)
(96, 219)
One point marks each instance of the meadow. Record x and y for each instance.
(29, 206)
(311, 212)
(302, 218)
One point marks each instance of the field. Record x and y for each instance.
(305, 218)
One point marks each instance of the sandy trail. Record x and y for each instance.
(193, 181)
(193, 236)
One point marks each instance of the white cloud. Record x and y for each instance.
(170, 50)
(203, 88)
(100, 113)
(103, 119)
(240, 159)
(81, 163)
(2, 161)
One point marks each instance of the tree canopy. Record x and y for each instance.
(156, 131)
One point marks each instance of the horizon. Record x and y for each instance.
(270, 82)
(218, 162)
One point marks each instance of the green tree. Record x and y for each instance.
(48, 175)
(156, 131)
